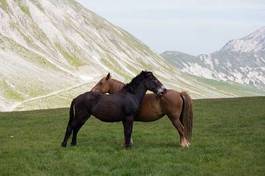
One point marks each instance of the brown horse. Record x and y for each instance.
(176, 105)
(120, 106)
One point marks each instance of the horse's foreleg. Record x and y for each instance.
(180, 128)
(76, 128)
(128, 126)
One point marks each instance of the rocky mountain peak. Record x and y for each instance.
(254, 42)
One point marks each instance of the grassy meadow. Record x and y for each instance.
(228, 139)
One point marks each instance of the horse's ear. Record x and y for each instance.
(108, 76)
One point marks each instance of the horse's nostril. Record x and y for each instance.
(160, 91)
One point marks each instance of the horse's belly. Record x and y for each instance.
(108, 114)
(148, 113)
(145, 118)
(108, 117)
(114, 119)
(150, 109)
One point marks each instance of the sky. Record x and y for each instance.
(190, 26)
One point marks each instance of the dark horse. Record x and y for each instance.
(120, 106)
(176, 105)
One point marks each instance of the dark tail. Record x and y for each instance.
(71, 113)
(69, 128)
(186, 116)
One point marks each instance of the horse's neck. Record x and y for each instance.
(116, 86)
(139, 92)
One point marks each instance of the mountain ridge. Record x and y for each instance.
(51, 51)
(239, 60)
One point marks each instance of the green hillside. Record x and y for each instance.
(53, 46)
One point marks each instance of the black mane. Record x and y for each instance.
(131, 86)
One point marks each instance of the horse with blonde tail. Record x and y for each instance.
(176, 105)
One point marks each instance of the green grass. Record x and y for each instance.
(69, 56)
(114, 65)
(24, 52)
(223, 88)
(9, 92)
(228, 139)
(4, 5)
(38, 4)
(23, 7)
(232, 87)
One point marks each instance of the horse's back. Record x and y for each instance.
(91, 97)
(113, 107)
(154, 107)
(172, 101)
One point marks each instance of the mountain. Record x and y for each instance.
(53, 50)
(241, 60)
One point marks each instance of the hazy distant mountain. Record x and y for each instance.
(52, 50)
(241, 61)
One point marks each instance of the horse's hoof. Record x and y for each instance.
(184, 145)
(63, 145)
(128, 146)
(73, 144)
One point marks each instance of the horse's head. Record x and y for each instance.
(152, 83)
(103, 85)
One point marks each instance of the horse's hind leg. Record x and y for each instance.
(67, 135)
(174, 118)
(76, 128)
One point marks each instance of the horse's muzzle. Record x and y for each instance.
(161, 91)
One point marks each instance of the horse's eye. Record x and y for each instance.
(100, 83)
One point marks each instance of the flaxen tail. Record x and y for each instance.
(186, 116)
